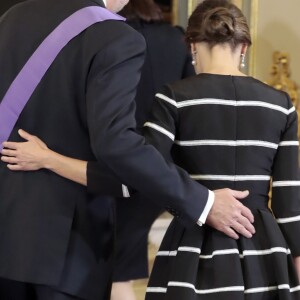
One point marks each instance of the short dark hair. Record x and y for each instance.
(146, 10)
(218, 22)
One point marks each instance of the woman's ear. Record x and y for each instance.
(193, 47)
(244, 49)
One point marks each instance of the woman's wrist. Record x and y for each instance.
(49, 160)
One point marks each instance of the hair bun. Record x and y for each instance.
(219, 25)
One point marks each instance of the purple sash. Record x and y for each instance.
(35, 68)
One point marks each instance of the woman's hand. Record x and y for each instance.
(25, 156)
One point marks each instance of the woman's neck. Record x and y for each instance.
(220, 60)
(222, 70)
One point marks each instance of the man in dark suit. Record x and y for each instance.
(53, 243)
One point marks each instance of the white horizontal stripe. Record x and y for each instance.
(227, 251)
(182, 249)
(231, 178)
(190, 249)
(288, 220)
(160, 129)
(167, 99)
(206, 291)
(166, 253)
(205, 102)
(227, 143)
(266, 105)
(220, 252)
(156, 290)
(211, 101)
(295, 289)
(223, 289)
(289, 143)
(272, 288)
(182, 284)
(261, 289)
(247, 252)
(286, 183)
(266, 251)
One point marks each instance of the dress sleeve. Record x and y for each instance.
(101, 181)
(286, 183)
(160, 129)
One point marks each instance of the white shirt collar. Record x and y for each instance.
(104, 2)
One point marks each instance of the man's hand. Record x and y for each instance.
(229, 215)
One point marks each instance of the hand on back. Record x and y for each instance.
(229, 215)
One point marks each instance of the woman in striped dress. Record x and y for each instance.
(229, 130)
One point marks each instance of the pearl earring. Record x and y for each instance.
(194, 62)
(243, 64)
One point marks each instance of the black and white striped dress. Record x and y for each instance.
(235, 132)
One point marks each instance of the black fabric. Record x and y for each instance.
(213, 119)
(135, 215)
(14, 290)
(7, 4)
(39, 243)
(167, 59)
(83, 108)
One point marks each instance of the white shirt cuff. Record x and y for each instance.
(207, 208)
(125, 191)
(104, 1)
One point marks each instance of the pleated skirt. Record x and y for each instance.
(202, 263)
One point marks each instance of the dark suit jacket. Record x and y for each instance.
(7, 4)
(84, 108)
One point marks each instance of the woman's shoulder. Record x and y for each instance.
(183, 89)
(223, 87)
(265, 92)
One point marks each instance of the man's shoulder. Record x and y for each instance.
(117, 31)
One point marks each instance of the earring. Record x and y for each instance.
(194, 62)
(243, 64)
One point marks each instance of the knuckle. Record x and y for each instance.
(225, 230)
(236, 213)
(238, 227)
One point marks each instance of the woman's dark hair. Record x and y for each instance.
(145, 10)
(218, 22)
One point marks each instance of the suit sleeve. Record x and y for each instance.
(111, 88)
(101, 181)
(286, 183)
